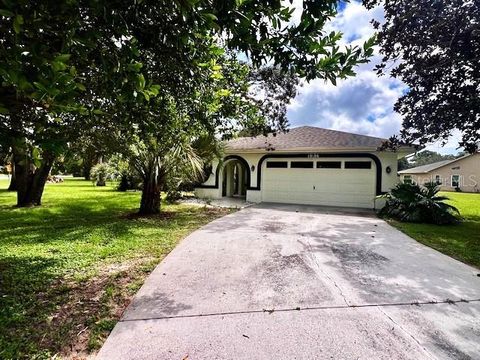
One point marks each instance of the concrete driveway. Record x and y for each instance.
(296, 282)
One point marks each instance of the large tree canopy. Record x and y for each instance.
(434, 46)
(69, 65)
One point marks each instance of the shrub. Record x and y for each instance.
(120, 170)
(99, 174)
(415, 203)
(129, 181)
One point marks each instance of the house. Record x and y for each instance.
(460, 174)
(306, 165)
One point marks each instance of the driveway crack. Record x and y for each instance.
(319, 267)
(309, 308)
(411, 336)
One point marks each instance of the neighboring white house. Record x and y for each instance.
(306, 165)
(459, 174)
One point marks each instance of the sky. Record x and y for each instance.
(362, 104)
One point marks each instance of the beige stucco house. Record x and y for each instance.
(307, 165)
(460, 174)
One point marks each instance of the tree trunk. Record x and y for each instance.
(30, 180)
(100, 181)
(86, 170)
(151, 196)
(13, 179)
(40, 178)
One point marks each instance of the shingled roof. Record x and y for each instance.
(425, 168)
(306, 137)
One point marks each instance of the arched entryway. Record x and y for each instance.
(235, 177)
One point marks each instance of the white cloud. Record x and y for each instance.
(450, 147)
(362, 104)
(354, 22)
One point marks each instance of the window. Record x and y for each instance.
(329, 165)
(277, 164)
(455, 181)
(407, 179)
(438, 180)
(358, 164)
(301, 164)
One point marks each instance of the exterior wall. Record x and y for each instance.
(388, 159)
(205, 193)
(252, 160)
(468, 169)
(389, 180)
(379, 203)
(211, 179)
(254, 196)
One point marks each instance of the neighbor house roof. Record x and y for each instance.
(425, 168)
(306, 137)
(430, 167)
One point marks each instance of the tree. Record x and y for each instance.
(425, 157)
(165, 128)
(434, 47)
(69, 61)
(52, 52)
(403, 164)
(204, 89)
(271, 90)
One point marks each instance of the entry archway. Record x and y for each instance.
(235, 177)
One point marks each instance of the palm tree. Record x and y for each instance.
(185, 161)
(415, 203)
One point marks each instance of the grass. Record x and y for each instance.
(69, 268)
(462, 241)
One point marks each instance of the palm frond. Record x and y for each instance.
(414, 203)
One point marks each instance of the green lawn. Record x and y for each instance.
(462, 241)
(70, 267)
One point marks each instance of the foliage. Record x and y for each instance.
(462, 241)
(426, 157)
(421, 204)
(181, 178)
(161, 140)
(75, 264)
(84, 151)
(271, 90)
(434, 48)
(155, 161)
(100, 173)
(80, 64)
(403, 164)
(124, 173)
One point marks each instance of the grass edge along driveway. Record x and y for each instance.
(69, 268)
(461, 241)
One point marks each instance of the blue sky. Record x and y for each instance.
(362, 104)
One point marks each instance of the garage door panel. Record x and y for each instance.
(330, 199)
(333, 187)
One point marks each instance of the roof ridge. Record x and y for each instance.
(306, 137)
(439, 164)
(337, 131)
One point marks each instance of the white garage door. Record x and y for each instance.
(333, 182)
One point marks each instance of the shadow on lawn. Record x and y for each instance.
(73, 263)
(26, 300)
